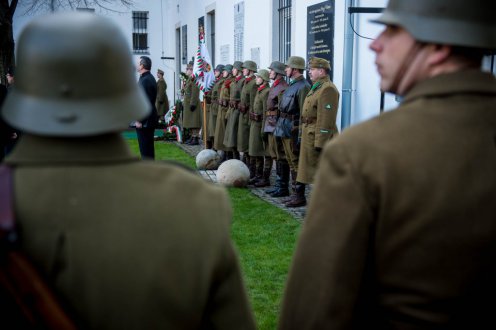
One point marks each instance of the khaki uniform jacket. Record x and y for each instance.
(320, 109)
(214, 106)
(119, 239)
(162, 103)
(220, 126)
(248, 94)
(231, 137)
(192, 119)
(256, 145)
(401, 227)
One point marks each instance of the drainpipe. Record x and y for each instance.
(347, 69)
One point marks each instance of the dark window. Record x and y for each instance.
(140, 32)
(284, 30)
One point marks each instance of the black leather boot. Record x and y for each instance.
(278, 179)
(283, 190)
(299, 198)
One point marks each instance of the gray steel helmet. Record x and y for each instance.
(75, 77)
(228, 68)
(219, 67)
(278, 67)
(250, 65)
(264, 74)
(296, 62)
(451, 22)
(238, 65)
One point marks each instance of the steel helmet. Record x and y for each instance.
(452, 22)
(250, 65)
(264, 74)
(296, 62)
(238, 65)
(278, 67)
(75, 77)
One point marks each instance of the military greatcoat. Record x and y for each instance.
(248, 94)
(231, 136)
(192, 119)
(318, 118)
(220, 126)
(256, 145)
(400, 231)
(119, 239)
(214, 107)
(162, 102)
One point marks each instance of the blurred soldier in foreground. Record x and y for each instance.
(95, 218)
(401, 231)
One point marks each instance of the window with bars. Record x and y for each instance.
(140, 32)
(284, 30)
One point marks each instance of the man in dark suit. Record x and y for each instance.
(401, 228)
(128, 244)
(145, 129)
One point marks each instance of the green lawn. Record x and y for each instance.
(264, 235)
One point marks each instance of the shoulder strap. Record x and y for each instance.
(19, 279)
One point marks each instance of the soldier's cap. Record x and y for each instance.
(296, 62)
(449, 22)
(278, 67)
(160, 71)
(318, 63)
(56, 93)
(228, 68)
(250, 65)
(238, 65)
(264, 74)
(219, 67)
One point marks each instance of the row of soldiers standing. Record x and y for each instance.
(259, 123)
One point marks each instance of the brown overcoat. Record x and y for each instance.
(162, 102)
(248, 94)
(231, 136)
(320, 109)
(401, 227)
(192, 119)
(214, 107)
(120, 240)
(220, 125)
(256, 145)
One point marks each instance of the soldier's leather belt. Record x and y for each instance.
(224, 103)
(271, 113)
(208, 100)
(286, 115)
(308, 120)
(234, 104)
(243, 108)
(256, 117)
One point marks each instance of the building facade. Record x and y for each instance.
(262, 31)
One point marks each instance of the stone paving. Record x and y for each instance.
(297, 212)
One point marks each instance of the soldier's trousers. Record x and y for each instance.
(292, 155)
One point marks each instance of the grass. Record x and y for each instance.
(264, 235)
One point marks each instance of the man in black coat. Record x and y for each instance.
(145, 128)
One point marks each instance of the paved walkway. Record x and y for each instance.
(297, 212)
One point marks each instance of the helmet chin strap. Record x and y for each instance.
(405, 65)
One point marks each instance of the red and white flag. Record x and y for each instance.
(203, 70)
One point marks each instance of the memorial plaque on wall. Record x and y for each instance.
(184, 34)
(239, 26)
(320, 32)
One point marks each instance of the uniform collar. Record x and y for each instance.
(462, 82)
(33, 150)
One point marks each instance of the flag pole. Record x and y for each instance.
(204, 122)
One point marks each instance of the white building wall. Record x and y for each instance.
(259, 27)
